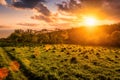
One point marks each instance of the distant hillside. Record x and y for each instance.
(106, 35)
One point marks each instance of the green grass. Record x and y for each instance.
(68, 62)
(5, 63)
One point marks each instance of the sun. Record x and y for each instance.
(90, 21)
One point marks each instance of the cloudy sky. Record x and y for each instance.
(38, 14)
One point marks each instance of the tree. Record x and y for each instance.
(16, 36)
(115, 38)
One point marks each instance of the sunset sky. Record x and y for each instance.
(50, 14)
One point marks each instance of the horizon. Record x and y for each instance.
(4, 33)
(51, 14)
(59, 39)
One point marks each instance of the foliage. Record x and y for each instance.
(3, 73)
(106, 35)
(115, 36)
(67, 62)
(14, 65)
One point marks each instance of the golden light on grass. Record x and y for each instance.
(90, 21)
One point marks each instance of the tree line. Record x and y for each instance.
(105, 35)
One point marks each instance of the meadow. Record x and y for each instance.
(59, 39)
(59, 62)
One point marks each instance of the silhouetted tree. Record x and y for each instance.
(115, 38)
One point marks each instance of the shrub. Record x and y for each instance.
(101, 77)
(115, 37)
(14, 65)
(52, 77)
(3, 73)
(73, 60)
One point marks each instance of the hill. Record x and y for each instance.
(106, 35)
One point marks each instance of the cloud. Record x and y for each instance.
(42, 18)
(37, 5)
(68, 10)
(1, 26)
(26, 3)
(69, 6)
(28, 24)
(54, 18)
(112, 8)
(3, 2)
(42, 9)
(93, 3)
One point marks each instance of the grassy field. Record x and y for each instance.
(60, 62)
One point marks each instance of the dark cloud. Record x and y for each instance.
(108, 7)
(111, 8)
(93, 3)
(69, 6)
(42, 9)
(75, 5)
(37, 5)
(26, 3)
(114, 4)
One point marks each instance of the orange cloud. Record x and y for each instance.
(3, 2)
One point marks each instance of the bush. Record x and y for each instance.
(73, 60)
(115, 38)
